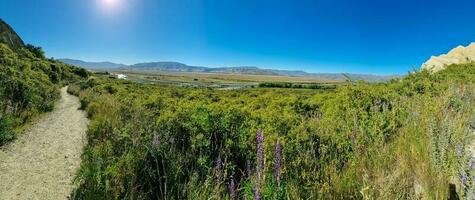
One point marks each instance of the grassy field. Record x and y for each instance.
(217, 81)
(216, 78)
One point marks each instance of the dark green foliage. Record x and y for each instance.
(83, 73)
(37, 51)
(6, 130)
(297, 85)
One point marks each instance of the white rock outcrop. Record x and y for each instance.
(459, 55)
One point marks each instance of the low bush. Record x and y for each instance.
(6, 130)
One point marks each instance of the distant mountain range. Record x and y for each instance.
(93, 65)
(249, 70)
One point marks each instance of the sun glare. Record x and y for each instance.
(111, 6)
(110, 3)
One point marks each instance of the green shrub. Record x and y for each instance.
(6, 130)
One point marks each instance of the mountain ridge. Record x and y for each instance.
(171, 66)
(9, 36)
(91, 65)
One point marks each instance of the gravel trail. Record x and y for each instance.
(42, 162)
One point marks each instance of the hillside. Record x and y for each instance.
(29, 83)
(8, 36)
(458, 55)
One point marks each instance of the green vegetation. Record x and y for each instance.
(407, 138)
(29, 85)
(404, 139)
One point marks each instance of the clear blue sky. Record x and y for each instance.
(377, 36)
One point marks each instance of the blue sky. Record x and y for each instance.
(357, 36)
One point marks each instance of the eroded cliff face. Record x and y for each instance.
(9, 36)
(458, 55)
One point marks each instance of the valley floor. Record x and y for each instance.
(42, 162)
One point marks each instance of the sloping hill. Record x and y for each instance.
(9, 36)
(166, 66)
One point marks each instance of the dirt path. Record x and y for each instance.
(42, 162)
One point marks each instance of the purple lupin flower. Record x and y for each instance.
(248, 167)
(155, 139)
(256, 193)
(278, 161)
(463, 178)
(232, 189)
(260, 162)
(471, 164)
(260, 150)
(219, 165)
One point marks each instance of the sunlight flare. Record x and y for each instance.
(111, 6)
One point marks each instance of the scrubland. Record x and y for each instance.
(405, 139)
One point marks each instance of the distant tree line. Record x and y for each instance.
(296, 85)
